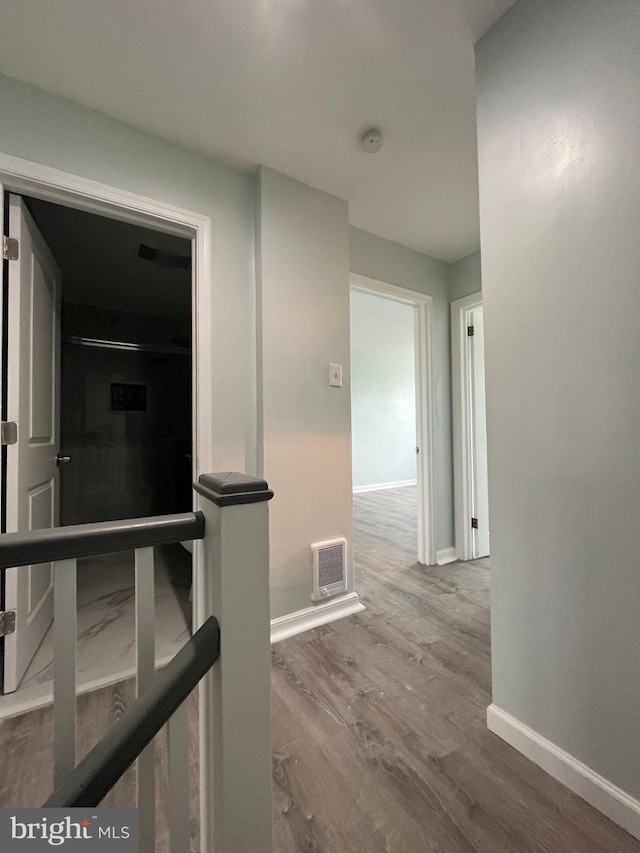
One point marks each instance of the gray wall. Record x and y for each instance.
(383, 385)
(303, 284)
(386, 261)
(464, 277)
(59, 133)
(558, 119)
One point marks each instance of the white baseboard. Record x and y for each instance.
(446, 555)
(311, 617)
(612, 801)
(377, 487)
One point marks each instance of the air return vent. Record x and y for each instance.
(329, 568)
(164, 257)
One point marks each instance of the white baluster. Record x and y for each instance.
(145, 670)
(65, 628)
(178, 761)
(232, 583)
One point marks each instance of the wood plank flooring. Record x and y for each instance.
(379, 734)
(27, 758)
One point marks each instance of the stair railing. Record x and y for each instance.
(230, 531)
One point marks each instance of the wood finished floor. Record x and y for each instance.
(27, 758)
(379, 734)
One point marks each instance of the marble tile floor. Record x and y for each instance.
(106, 619)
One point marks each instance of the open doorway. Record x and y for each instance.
(99, 310)
(391, 416)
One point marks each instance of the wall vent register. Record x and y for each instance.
(329, 569)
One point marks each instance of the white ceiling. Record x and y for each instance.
(287, 83)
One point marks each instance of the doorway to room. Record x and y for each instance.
(471, 485)
(391, 419)
(99, 367)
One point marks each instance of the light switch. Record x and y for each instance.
(335, 375)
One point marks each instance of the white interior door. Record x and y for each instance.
(480, 489)
(32, 496)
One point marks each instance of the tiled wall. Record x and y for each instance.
(124, 464)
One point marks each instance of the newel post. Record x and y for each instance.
(232, 583)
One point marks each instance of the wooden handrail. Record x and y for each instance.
(104, 537)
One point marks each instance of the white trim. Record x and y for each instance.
(446, 555)
(460, 399)
(423, 305)
(389, 291)
(24, 177)
(378, 487)
(612, 801)
(287, 626)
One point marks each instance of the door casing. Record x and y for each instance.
(423, 305)
(26, 178)
(462, 397)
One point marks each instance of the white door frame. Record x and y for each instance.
(27, 178)
(461, 397)
(423, 305)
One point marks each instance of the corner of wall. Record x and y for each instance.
(258, 377)
(305, 430)
(464, 277)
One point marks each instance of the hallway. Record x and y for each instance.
(379, 736)
(379, 732)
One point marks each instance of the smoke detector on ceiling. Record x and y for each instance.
(371, 140)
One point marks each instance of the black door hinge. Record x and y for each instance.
(10, 249)
(7, 622)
